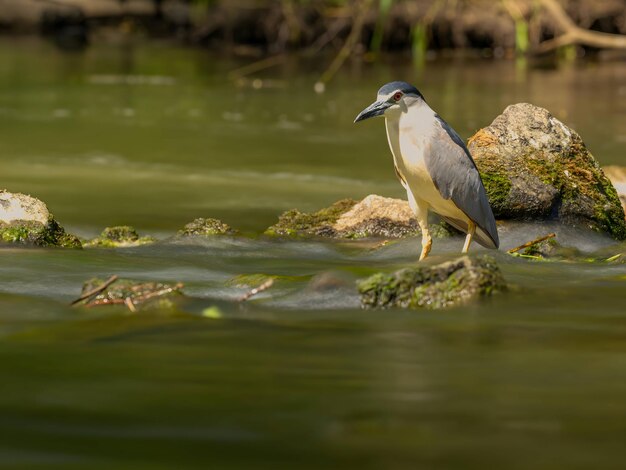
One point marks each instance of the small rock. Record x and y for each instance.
(377, 216)
(206, 227)
(119, 237)
(26, 220)
(320, 223)
(374, 216)
(433, 287)
(552, 249)
(535, 168)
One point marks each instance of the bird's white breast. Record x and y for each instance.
(410, 134)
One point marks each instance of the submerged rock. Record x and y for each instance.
(551, 249)
(119, 237)
(433, 287)
(374, 216)
(133, 294)
(534, 167)
(26, 220)
(206, 227)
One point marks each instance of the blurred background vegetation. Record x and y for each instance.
(364, 28)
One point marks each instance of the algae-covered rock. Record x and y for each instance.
(119, 237)
(544, 249)
(26, 220)
(374, 216)
(534, 167)
(433, 287)
(131, 293)
(320, 223)
(206, 227)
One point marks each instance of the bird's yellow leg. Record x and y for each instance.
(427, 243)
(420, 209)
(471, 229)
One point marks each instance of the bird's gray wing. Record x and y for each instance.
(456, 177)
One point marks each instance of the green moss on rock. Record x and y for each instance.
(119, 237)
(30, 232)
(433, 287)
(498, 186)
(206, 227)
(294, 223)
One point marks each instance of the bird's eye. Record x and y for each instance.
(397, 96)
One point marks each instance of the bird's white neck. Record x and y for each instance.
(415, 120)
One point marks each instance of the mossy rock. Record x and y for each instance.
(206, 228)
(25, 220)
(119, 237)
(142, 294)
(374, 216)
(536, 168)
(544, 249)
(445, 285)
(28, 232)
(294, 223)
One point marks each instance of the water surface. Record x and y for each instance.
(154, 136)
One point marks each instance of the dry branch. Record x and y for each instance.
(266, 285)
(531, 243)
(96, 290)
(347, 48)
(574, 34)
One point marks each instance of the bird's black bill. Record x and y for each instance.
(375, 109)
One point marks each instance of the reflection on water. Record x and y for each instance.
(299, 377)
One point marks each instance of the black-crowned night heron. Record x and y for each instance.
(434, 166)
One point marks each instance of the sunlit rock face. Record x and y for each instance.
(16, 206)
(26, 220)
(534, 167)
(374, 216)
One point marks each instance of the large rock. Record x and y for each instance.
(433, 287)
(374, 216)
(534, 167)
(26, 220)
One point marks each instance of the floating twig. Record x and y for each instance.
(159, 293)
(99, 303)
(129, 303)
(96, 290)
(257, 290)
(531, 243)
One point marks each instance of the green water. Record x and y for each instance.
(154, 136)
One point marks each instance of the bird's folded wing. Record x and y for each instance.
(456, 177)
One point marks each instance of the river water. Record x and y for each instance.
(154, 136)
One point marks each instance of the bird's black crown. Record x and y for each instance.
(404, 87)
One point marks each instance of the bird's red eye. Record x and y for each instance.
(397, 96)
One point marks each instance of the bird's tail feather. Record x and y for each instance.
(481, 235)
